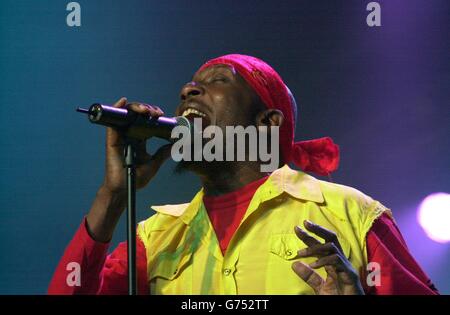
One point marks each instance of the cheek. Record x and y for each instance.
(219, 100)
(226, 109)
(231, 108)
(230, 115)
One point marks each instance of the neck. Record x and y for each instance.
(224, 179)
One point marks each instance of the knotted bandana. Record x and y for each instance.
(319, 156)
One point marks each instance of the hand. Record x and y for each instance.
(111, 197)
(341, 278)
(146, 164)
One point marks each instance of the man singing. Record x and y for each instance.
(245, 231)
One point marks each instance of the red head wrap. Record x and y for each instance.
(320, 156)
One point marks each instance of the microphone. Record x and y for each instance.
(134, 125)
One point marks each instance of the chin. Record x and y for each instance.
(198, 167)
(191, 166)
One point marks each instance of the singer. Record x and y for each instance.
(244, 232)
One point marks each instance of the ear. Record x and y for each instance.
(270, 117)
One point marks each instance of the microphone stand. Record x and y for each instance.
(130, 156)
(120, 117)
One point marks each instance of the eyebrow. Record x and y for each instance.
(213, 69)
(227, 67)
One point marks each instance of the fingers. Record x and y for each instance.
(307, 274)
(330, 257)
(339, 268)
(329, 254)
(149, 166)
(154, 160)
(334, 260)
(305, 237)
(318, 250)
(163, 153)
(327, 235)
(113, 139)
(160, 157)
(142, 108)
(121, 102)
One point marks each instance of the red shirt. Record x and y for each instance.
(226, 211)
(102, 274)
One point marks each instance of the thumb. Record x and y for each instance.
(160, 156)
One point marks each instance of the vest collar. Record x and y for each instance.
(296, 183)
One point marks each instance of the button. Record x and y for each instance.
(288, 252)
(227, 272)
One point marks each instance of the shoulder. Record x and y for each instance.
(348, 202)
(304, 186)
(338, 194)
(170, 216)
(165, 217)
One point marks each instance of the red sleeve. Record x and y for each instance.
(98, 273)
(400, 274)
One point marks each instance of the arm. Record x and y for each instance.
(98, 273)
(90, 257)
(84, 268)
(400, 273)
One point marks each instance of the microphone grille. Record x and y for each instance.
(183, 121)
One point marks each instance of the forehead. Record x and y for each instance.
(219, 68)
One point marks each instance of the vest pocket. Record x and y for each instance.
(286, 246)
(281, 279)
(170, 273)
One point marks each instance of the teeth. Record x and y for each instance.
(193, 111)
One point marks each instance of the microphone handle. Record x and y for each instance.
(134, 125)
(146, 127)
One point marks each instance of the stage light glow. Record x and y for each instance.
(434, 216)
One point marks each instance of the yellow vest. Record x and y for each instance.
(184, 256)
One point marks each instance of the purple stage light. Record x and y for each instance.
(434, 216)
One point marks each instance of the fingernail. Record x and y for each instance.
(301, 252)
(309, 222)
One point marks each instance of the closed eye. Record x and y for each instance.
(220, 79)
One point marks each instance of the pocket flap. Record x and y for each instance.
(169, 264)
(287, 245)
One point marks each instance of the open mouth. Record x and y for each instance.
(192, 113)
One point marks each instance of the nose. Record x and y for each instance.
(190, 89)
